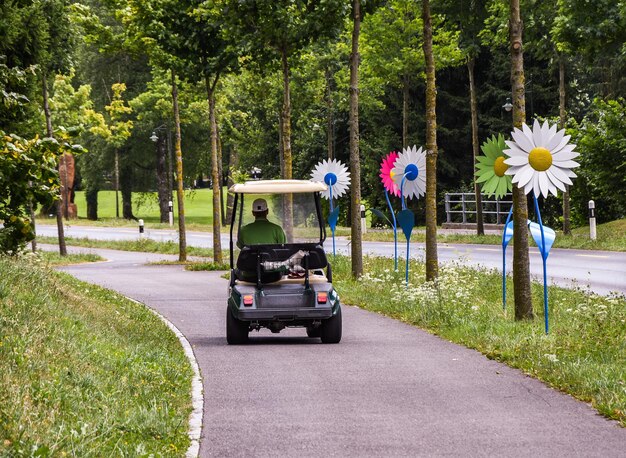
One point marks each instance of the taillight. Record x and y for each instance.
(248, 300)
(322, 298)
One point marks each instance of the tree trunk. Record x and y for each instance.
(521, 265)
(117, 183)
(220, 168)
(180, 193)
(215, 174)
(233, 163)
(126, 187)
(567, 230)
(355, 164)
(432, 265)
(405, 111)
(287, 158)
(50, 133)
(330, 121)
(91, 196)
(161, 178)
(480, 228)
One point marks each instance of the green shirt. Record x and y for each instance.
(261, 232)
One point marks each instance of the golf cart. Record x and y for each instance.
(275, 286)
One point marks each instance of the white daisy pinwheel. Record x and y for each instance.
(540, 159)
(410, 166)
(335, 175)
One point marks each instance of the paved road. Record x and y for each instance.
(600, 271)
(388, 389)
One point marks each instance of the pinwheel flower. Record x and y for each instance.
(334, 174)
(386, 175)
(411, 165)
(491, 169)
(540, 160)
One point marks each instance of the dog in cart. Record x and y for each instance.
(282, 277)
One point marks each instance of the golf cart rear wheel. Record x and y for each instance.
(330, 330)
(236, 330)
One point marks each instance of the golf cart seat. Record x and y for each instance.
(251, 258)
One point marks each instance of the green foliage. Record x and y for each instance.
(601, 140)
(28, 176)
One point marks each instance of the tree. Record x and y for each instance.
(432, 266)
(28, 167)
(355, 159)
(279, 29)
(521, 264)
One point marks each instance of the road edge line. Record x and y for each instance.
(197, 391)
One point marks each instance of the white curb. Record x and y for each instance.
(197, 395)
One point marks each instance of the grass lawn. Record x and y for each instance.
(86, 372)
(143, 245)
(583, 355)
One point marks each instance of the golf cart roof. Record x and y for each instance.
(277, 187)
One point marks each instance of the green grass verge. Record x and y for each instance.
(610, 236)
(86, 372)
(55, 259)
(583, 354)
(143, 245)
(194, 265)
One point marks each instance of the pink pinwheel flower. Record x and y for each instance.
(386, 175)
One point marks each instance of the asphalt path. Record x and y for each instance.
(599, 271)
(388, 389)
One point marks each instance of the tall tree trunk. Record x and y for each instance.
(521, 265)
(117, 183)
(480, 228)
(161, 178)
(180, 192)
(233, 163)
(91, 196)
(215, 174)
(567, 230)
(286, 137)
(330, 121)
(405, 111)
(126, 188)
(50, 133)
(355, 164)
(432, 265)
(220, 168)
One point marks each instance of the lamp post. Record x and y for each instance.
(255, 173)
(154, 137)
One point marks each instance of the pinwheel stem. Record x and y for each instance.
(402, 191)
(504, 244)
(332, 229)
(544, 257)
(406, 274)
(395, 232)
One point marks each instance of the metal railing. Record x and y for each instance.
(464, 204)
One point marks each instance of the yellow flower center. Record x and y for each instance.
(391, 174)
(499, 167)
(540, 158)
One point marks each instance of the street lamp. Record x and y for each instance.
(255, 173)
(154, 137)
(508, 106)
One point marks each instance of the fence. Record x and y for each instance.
(464, 203)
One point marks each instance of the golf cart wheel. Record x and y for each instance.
(236, 330)
(330, 330)
(313, 331)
